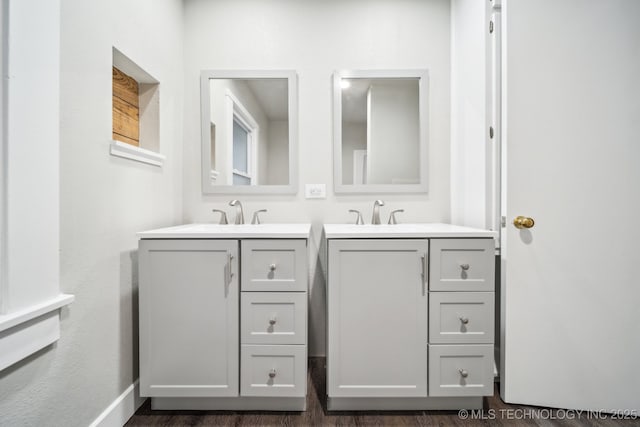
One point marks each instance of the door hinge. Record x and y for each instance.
(491, 132)
(490, 27)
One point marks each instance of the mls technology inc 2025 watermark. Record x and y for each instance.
(546, 414)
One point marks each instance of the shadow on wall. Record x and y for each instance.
(129, 316)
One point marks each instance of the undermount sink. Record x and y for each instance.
(346, 231)
(209, 231)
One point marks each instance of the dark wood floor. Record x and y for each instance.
(495, 413)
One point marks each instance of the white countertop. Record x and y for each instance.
(231, 231)
(383, 231)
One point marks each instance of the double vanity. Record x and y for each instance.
(224, 309)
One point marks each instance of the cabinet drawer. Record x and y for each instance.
(273, 370)
(461, 265)
(460, 370)
(273, 317)
(274, 265)
(461, 317)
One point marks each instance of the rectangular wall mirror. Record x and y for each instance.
(381, 132)
(249, 131)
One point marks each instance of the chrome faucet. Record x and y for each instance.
(375, 219)
(239, 213)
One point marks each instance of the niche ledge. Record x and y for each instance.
(131, 152)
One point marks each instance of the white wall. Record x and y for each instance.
(468, 131)
(315, 38)
(104, 201)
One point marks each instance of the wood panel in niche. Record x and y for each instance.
(126, 108)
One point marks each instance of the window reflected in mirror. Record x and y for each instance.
(248, 142)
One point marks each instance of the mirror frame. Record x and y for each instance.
(205, 130)
(423, 104)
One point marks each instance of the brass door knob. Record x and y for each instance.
(523, 222)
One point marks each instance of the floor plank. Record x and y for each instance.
(495, 413)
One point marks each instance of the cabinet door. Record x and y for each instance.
(377, 318)
(189, 335)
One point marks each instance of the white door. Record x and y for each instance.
(189, 332)
(377, 318)
(571, 298)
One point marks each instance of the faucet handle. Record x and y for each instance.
(256, 218)
(359, 220)
(223, 216)
(392, 216)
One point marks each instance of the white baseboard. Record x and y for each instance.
(121, 409)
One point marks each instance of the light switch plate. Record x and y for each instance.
(315, 191)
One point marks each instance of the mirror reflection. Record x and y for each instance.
(381, 141)
(247, 137)
(380, 131)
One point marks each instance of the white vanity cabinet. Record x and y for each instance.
(410, 316)
(188, 296)
(377, 323)
(223, 317)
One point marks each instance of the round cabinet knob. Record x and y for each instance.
(463, 373)
(465, 267)
(272, 267)
(272, 320)
(464, 320)
(272, 373)
(521, 222)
